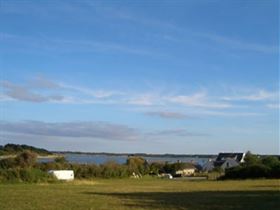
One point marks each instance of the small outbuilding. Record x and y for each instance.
(66, 175)
(166, 176)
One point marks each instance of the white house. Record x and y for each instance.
(66, 175)
(186, 171)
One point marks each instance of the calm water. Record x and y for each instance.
(100, 159)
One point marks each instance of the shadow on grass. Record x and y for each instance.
(267, 186)
(251, 200)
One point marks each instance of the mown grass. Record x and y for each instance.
(143, 194)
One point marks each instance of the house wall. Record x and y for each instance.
(243, 157)
(229, 164)
(186, 172)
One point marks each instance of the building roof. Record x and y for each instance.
(231, 162)
(238, 157)
(189, 166)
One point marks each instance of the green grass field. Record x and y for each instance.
(143, 194)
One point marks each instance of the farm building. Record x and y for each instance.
(66, 175)
(224, 161)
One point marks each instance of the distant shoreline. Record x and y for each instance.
(209, 156)
(136, 154)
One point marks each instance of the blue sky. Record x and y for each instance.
(140, 76)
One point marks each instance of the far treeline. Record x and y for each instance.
(25, 168)
(14, 149)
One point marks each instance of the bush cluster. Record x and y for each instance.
(22, 169)
(31, 175)
(109, 169)
(255, 167)
(25, 168)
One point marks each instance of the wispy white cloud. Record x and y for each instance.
(174, 30)
(260, 95)
(228, 114)
(198, 99)
(238, 44)
(273, 106)
(111, 12)
(95, 93)
(89, 10)
(144, 99)
(5, 97)
(31, 92)
(59, 45)
(43, 90)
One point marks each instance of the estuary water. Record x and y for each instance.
(103, 158)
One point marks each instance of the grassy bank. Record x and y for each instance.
(142, 194)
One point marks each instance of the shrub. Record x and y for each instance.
(7, 163)
(60, 160)
(245, 172)
(255, 171)
(251, 159)
(31, 175)
(156, 168)
(113, 170)
(137, 165)
(26, 159)
(275, 171)
(9, 175)
(83, 171)
(270, 161)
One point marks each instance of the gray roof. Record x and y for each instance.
(227, 163)
(235, 156)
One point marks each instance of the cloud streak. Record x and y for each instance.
(273, 106)
(42, 82)
(59, 45)
(167, 115)
(222, 40)
(197, 100)
(101, 130)
(240, 45)
(22, 93)
(95, 93)
(43, 90)
(261, 95)
(179, 132)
